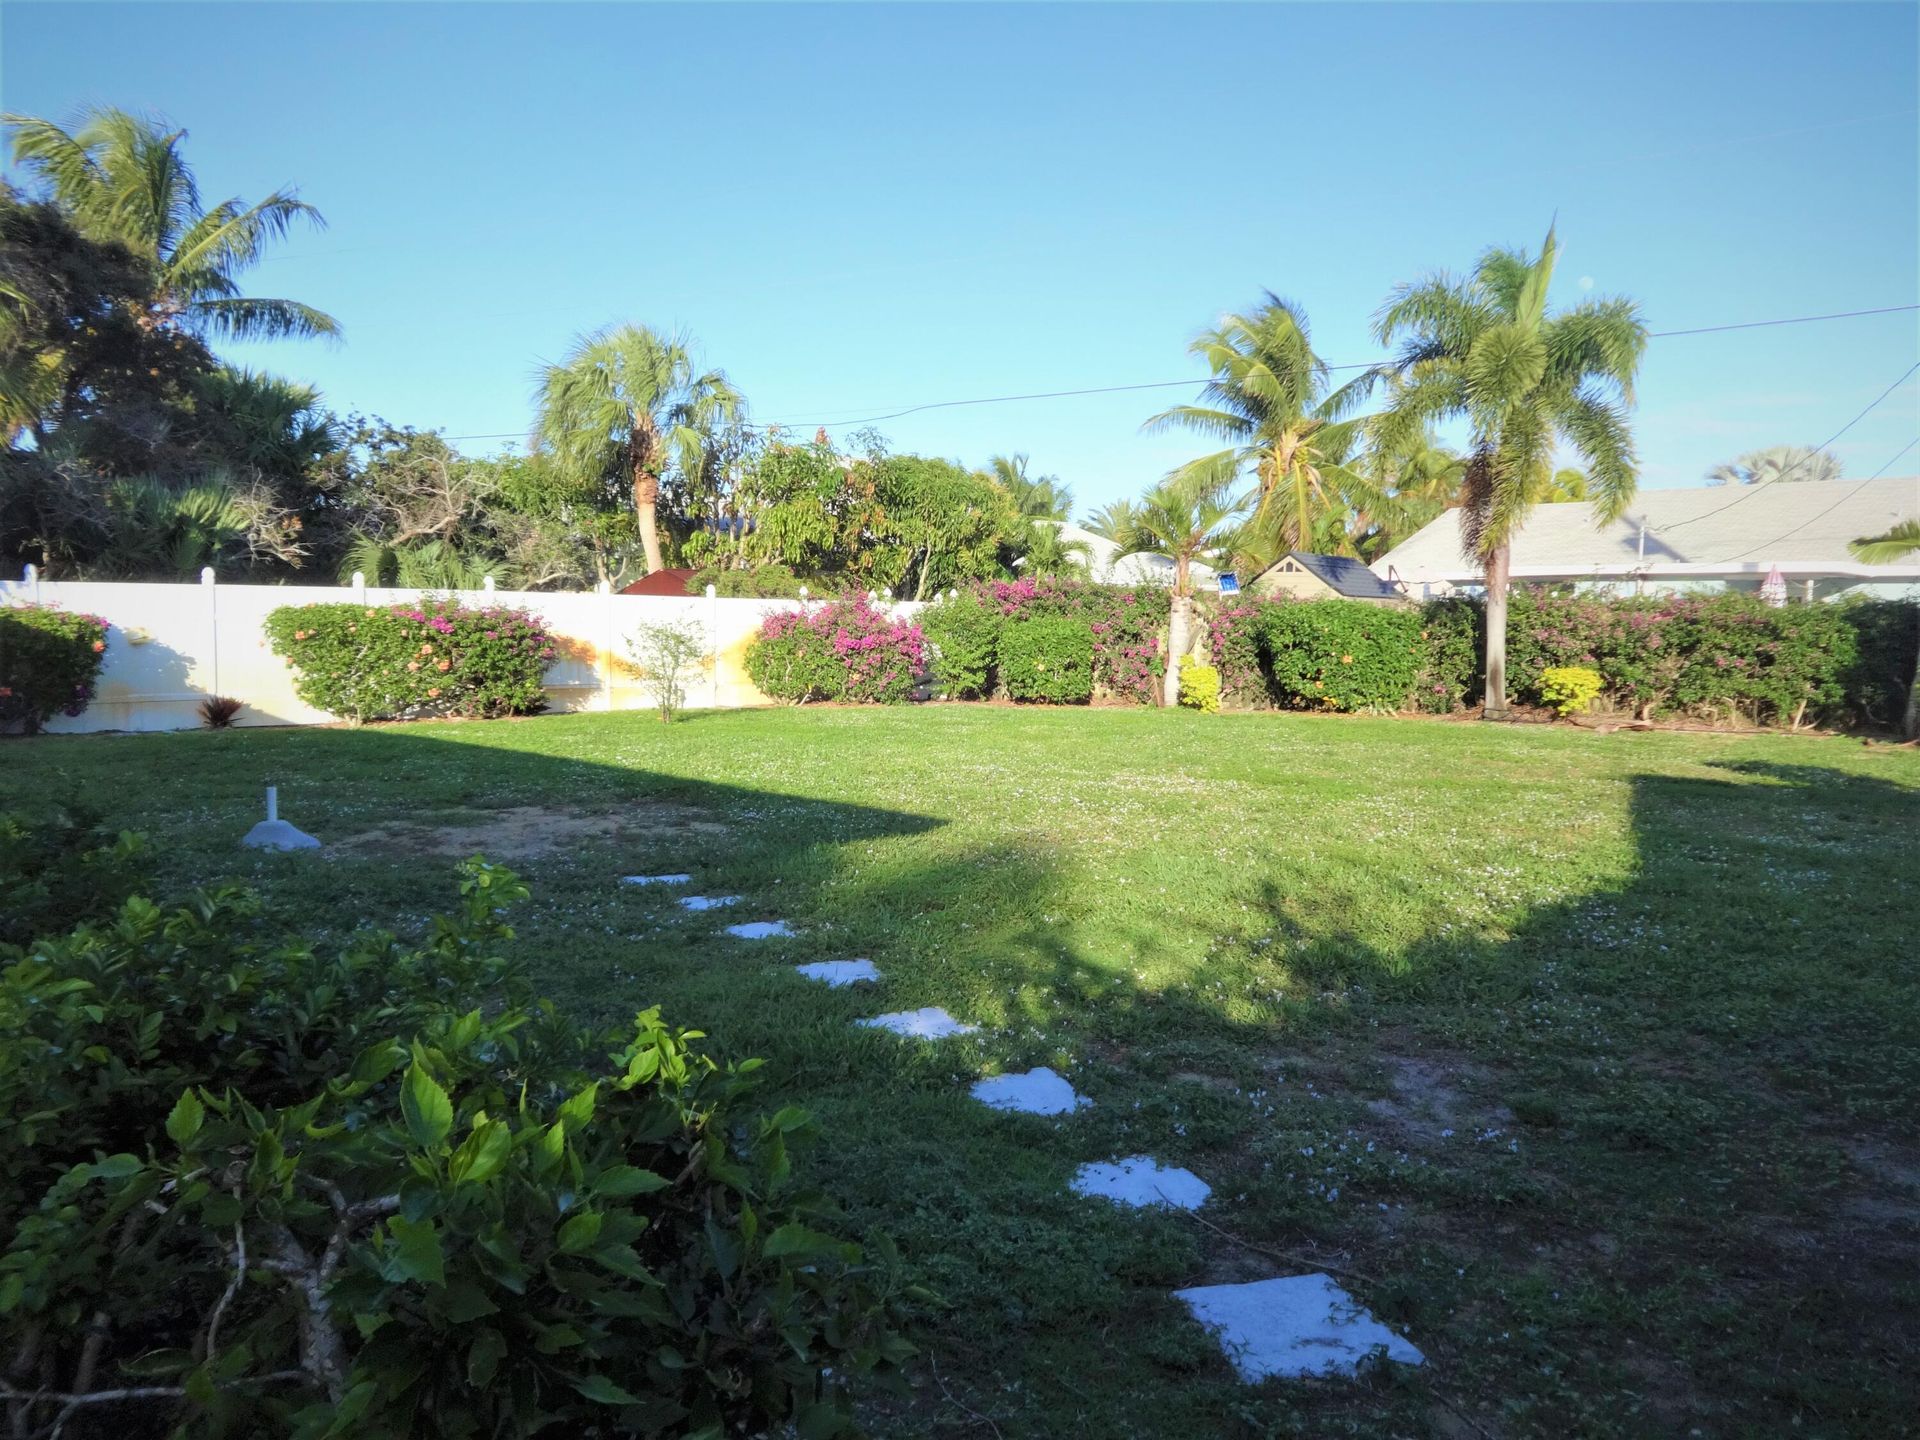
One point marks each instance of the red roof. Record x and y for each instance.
(661, 582)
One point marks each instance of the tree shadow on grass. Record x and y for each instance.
(1689, 1076)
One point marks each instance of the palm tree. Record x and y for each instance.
(1269, 399)
(123, 179)
(1186, 516)
(1898, 543)
(1044, 549)
(1486, 350)
(1041, 497)
(629, 397)
(1115, 521)
(1777, 463)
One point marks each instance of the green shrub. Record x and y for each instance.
(1236, 632)
(410, 662)
(388, 1194)
(1129, 626)
(1886, 635)
(1570, 689)
(1343, 654)
(842, 650)
(1047, 658)
(761, 582)
(49, 662)
(1452, 639)
(1199, 686)
(60, 866)
(963, 634)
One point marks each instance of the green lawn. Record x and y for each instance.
(1588, 1062)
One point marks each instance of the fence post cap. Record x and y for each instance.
(713, 592)
(606, 587)
(206, 575)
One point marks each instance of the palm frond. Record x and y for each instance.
(1888, 549)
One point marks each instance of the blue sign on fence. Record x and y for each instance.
(1229, 583)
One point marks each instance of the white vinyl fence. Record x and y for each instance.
(173, 645)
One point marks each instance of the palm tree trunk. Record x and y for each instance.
(1498, 563)
(646, 489)
(1178, 630)
(1910, 727)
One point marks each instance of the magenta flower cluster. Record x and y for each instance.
(1128, 627)
(842, 650)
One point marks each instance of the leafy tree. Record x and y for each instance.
(1186, 516)
(1269, 398)
(123, 179)
(1775, 464)
(936, 523)
(1040, 497)
(1889, 549)
(1487, 350)
(630, 400)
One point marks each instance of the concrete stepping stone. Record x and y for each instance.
(1295, 1326)
(932, 1023)
(840, 972)
(707, 902)
(1036, 1092)
(1141, 1180)
(655, 879)
(759, 930)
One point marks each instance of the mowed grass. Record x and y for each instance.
(1588, 1062)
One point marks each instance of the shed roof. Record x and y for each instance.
(1341, 575)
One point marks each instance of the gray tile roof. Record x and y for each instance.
(1350, 578)
(1735, 527)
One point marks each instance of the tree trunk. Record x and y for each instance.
(1178, 630)
(1498, 564)
(646, 494)
(1910, 727)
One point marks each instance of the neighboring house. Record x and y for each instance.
(1107, 566)
(1322, 577)
(1699, 539)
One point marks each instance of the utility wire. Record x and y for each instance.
(1788, 534)
(1748, 492)
(1193, 382)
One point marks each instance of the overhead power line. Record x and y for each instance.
(1193, 382)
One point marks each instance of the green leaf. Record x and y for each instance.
(603, 1391)
(483, 1358)
(186, 1118)
(577, 1111)
(414, 1252)
(579, 1233)
(113, 1167)
(428, 1111)
(624, 1180)
(466, 1301)
(483, 1153)
(799, 1240)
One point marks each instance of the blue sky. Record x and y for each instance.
(858, 208)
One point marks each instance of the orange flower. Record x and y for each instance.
(98, 646)
(434, 693)
(1346, 659)
(413, 665)
(426, 649)
(443, 665)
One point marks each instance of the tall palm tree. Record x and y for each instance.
(1270, 400)
(123, 179)
(630, 397)
(1777, 463)
(1898, 543)
(1188, 515)
(1040, 497)
(1486, 350)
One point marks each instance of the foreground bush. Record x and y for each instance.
(388, 1194)
(49, 662)
(59, 866)
(841, 650)
(409, 662)
(1342, 654)
(1048, 658)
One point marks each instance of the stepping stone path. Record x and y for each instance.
(707, 902)
(840, 972)
(1296, 1326)
(759, 930)
(1037, 1092)
(1140, 1180)
(932, 1023)
(655, 879)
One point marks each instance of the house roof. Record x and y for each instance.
(1727, 530)
(1107, 566)
(1341, 575)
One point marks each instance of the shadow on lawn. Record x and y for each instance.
(1708, 1073)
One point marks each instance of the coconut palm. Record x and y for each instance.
(123, 179)
(1775, 464)
(1045, 549)
(1188, 515)
(1486, 350)
(1115, 521)
(1041, 497)
(630, 397)
(1888, 549)
(1270, 400)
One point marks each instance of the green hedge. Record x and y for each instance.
(49, 662)
(408, 662)
(963, 637)
(1047, 658)
(1342, 654)
(451, 1201)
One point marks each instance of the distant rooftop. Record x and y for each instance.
(1343, 576)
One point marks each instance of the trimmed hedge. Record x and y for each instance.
(412, 662)
(963, 637)
(49, 663)
(1047, 658)
(1342, 654)
(1128, 627)
(842, 650)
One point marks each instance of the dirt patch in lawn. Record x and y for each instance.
(527, 832)
(1432, 1097)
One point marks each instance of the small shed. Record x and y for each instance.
(1301, 576)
